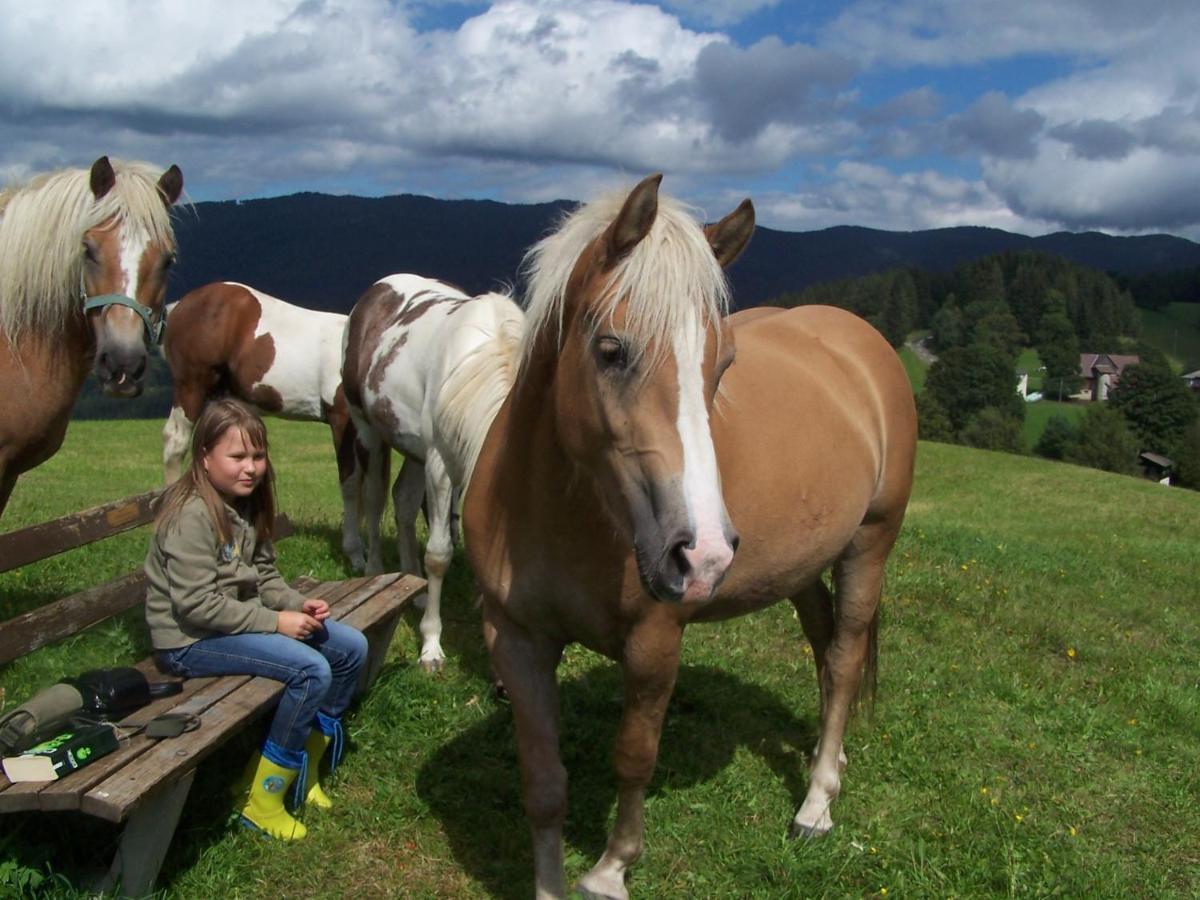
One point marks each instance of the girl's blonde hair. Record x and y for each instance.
(216, 418)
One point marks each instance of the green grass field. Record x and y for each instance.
(1036, 731)
(1039, 413)
(1176, 331)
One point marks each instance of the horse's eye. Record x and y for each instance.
(168, 260)
(89, 251)
(611, 353)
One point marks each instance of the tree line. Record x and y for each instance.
(980, 317)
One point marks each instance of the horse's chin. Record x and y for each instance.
(124, 390)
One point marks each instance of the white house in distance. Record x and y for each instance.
(1192, 380)
(1100, 373)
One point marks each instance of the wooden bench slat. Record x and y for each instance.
(63, 618)
(27, 632)
(375, 606)
(26, 545)
(113, 798)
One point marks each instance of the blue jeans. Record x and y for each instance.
(318, 674)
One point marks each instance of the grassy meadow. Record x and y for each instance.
(1036, 732)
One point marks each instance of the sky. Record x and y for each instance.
(895, 114)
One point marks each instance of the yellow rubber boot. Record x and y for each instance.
(315, 747)
(265, 810)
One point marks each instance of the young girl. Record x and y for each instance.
(216, 605)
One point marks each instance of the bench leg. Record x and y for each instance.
(379, 638)
(145, 840)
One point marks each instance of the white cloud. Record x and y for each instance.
(532, 99)
(872, 196)
(720, 12)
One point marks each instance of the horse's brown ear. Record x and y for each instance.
(729, 237)
(102, 178)
(634, 221)
(171, 185)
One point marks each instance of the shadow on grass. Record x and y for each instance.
(472, 784)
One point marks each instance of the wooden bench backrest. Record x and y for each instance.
(27, 632)
(27, 545)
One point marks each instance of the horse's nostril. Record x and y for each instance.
(679, 548)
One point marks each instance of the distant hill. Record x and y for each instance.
(323, 251)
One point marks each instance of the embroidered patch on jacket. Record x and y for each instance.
(229, 552)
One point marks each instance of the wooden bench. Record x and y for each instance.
(145, 782)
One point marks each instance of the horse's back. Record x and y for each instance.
(283, 358)
(815, 431)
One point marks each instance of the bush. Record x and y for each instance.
(932, 422)
(1058, 435)
(1104, 442)
(990, 429)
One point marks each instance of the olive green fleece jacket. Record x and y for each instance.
(198, 588)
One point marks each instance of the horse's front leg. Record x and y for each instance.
(439, 495)
(650, 664)
(527, 663)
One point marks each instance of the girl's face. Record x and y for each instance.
(235, 466)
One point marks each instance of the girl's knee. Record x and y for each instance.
(314, 674)
(353, 645)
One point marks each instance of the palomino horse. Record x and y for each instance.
(83, 272)
(426, 368)
(632, 452)
(227, 338)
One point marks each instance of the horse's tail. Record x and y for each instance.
(869, 684)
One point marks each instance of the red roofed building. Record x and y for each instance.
(1101, 372)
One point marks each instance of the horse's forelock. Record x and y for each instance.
(669, 279)
(41, 225)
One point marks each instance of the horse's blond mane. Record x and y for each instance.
(475, 387)
(42, 223)
(670, 277)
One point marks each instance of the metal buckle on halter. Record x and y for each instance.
(153, 334)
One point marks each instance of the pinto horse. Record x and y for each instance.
(425, 370)
(229, 339)
(84, 255)
(638, 479)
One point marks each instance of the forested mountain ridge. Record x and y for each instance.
(323, 251)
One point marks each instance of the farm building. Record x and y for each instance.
(1100, 373)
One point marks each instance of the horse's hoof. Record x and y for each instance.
(807, 831)
(581, 891)
(500, 692)
(433, 666)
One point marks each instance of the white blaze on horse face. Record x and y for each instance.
(712, 554)
(133, 241)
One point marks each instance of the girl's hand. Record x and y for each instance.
(318, 609)
(298, 625)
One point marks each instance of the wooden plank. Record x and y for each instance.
(114, 798)
(65, 793)
(27, 632)
(146, 839)
(26, 545)
(393, 596)
(359, 591)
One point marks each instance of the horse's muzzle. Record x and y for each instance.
(121, 374)
(689, 570)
